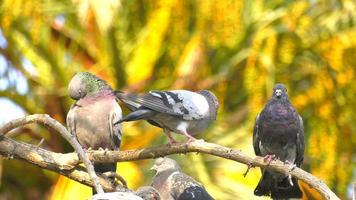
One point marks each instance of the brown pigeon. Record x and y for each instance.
(93, 115)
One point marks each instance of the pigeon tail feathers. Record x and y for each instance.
(263, 187)
(285, 190)
(137, 115)
(280, 190)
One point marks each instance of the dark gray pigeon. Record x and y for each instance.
(148, 193)
(172, 184)
(92, 116)
(180, 111)
(279, 132)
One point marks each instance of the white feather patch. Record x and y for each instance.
(195, 103)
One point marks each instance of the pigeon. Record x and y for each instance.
(148, 193)
(172, 184)
(279, 132)
(116, 196)
(91, 118)
(180, 111)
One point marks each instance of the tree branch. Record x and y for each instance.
(216, 150)
(52, 123)
(66, 164)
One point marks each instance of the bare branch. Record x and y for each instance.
(216, 150)
(62, 162)
(65, 164)
(52, 123)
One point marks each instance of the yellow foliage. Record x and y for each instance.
(69, 189)
(238, 49)
(150, 40)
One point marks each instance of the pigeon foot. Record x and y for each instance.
(190, 140)
(172, 141)
(268, 158)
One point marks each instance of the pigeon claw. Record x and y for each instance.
(190, 140)
(268, 158)
(293, 166)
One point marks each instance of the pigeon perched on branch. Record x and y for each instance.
(91, 118)
(172, 184)
(279, 132)
(180, 111)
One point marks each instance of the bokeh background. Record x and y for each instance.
(238, 49)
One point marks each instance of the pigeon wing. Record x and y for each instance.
(115, 128)
(256, 139)
(70, 121)
(168, 102)
(300, 143)
(185, 187)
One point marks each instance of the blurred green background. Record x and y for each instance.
(237, 49)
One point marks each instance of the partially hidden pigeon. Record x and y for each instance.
(180, 111)
(279, 132)
(116, 196)
(91, 119)
(148, 193)
(172, 184)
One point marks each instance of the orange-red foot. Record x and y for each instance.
(268, 158)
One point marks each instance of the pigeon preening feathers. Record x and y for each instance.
(180, 111)
(93, 115)
(279, 132)
(172, 184)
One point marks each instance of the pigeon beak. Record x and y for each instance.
(278, 92)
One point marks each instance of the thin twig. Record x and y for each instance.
(52, 123)
(41, 142)
(111, 174)
(249, 166)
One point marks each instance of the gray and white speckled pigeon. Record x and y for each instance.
(116, 196)
(148, 193)
(92, 116)
(180, 111)
(279, 132)
(172, 184)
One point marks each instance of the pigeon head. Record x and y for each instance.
(165, 164)
(213, 102)
(85, 84)
(280, 91)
